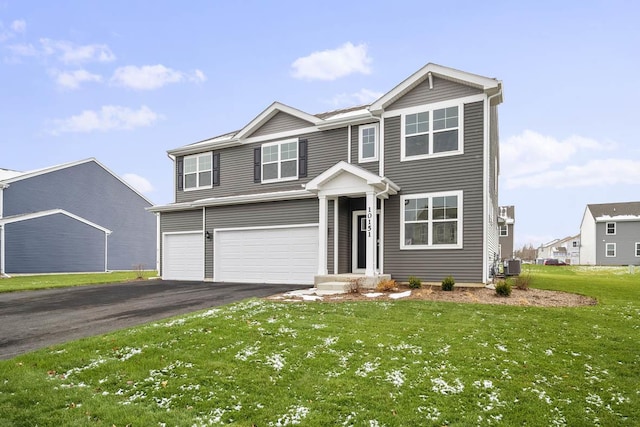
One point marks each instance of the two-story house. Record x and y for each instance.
(566, 249)
(73, 217)
(610, 234)
(506, 231)
(404, 186)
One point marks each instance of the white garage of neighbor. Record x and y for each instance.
(183, 256)
(287, 254)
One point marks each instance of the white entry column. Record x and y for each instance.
(371, 237)
(322, 236)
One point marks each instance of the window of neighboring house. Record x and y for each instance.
(280, 161)
(368, 143)
(575, 244)
(610, 250)
(611, 228)
(431, 221)
(430, 133)
(504, 230)
(198, 171)
(638, 249)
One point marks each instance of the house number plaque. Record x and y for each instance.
(369, 215)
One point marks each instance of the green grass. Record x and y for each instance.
(401, 363)
(47, 281)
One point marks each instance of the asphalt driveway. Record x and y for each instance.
(35, 319)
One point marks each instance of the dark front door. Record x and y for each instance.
(360, 256)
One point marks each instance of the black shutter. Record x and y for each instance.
(180, 174)
(302, 158)
(257, 164)
(216, 169)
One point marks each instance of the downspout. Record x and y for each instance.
(485, 254)
(106, 251)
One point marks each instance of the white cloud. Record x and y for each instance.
(19, 26)
(363, 96)
(110, 117)
(150, 77)
(531, 152)
(70, 53)
(73, 79)
(333, 64)
(138, 182)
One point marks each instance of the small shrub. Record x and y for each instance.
(522, 281)
(355, 285)
(139, 270)
(386, 285)
(503, 288)
(448, 283)
(415, 282)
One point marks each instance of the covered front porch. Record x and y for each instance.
(351, 224)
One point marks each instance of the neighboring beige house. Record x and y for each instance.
(567, 250)
(506, 222)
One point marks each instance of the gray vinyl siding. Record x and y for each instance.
(330, 235)
(443, 90)
(627, 234)
(325, 149)
(54, 244)
(281, 122)
(181, 221)
(344, 236)
(288, 212)
(355, 148)
(90, 192)
(459, 172)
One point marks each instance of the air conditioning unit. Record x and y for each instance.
(512, 267)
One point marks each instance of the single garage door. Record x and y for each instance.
(269, 255)
(183, 256)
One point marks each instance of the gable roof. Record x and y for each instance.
(381, 183)
(30, 174)
(34, 215)
(620, 211)
(271, 111)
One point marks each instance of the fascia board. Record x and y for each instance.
(271, 111)
(234, 200)
(34, 215)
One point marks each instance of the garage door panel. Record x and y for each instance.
(183, 257)
(278, 255)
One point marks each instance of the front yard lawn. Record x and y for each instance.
(400, 363)
(47, 281)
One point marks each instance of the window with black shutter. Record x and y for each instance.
(257, 164)
(302, 158)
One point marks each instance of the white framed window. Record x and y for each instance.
(638, 249)
(280, 161)
(431, 132)
(198, 172)
(611, 228)
(368, 143)
(610, 250)
(504, 230)
(431, 221)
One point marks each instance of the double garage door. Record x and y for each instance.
(264, 255)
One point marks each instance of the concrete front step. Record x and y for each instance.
(350, 280)
(335, 286)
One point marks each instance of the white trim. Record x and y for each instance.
(430, 196)
(606, 229)
(430, 108)
(379, 182)
(381, 237)
(336, 221)
(506, 227)
(349, 144)
(197, 172)
(279, 144)
(434, 106)
(2, 246)
(33, 215)
(606, 250)
(322, 235)
(376, 128)
(637, 250)
(268, 114)
(164, 248)
(381, 149)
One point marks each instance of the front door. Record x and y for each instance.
(359, 238)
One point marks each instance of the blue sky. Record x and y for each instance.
(124, 81)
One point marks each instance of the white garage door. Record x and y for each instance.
(183, 256)
(269, 255)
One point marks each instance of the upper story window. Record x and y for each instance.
(611, 228)
(638, 249)
(431, 133)
(610, 250)
(198, 171)
(280, 161)
(431, 221)
(368, 143)
(504, 230)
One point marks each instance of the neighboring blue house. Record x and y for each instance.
(75, 217)
(405, 186)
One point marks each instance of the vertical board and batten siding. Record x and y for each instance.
(459, 172)
(325, 149)
(281, 122)
(443, 90)
(627, 234)
(355, 150)
(268, 214)
(182, 221)
(54, 244)
(91, 192)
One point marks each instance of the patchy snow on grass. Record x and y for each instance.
(442, 387)
(247, 352)
(367, 368)
(396, 377)
(276, 361)
(400, 295)
(294, 416)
